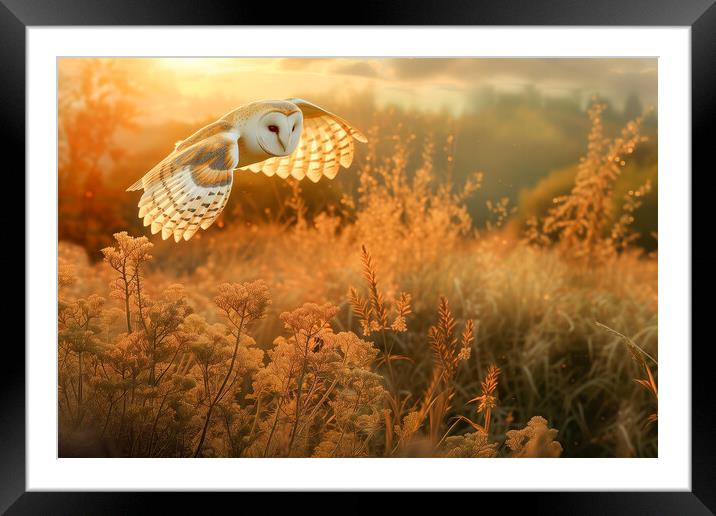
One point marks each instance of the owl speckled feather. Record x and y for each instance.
(188, 189)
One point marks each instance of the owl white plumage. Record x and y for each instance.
(189, 188)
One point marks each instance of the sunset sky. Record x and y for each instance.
(195, 88)
(494, 210)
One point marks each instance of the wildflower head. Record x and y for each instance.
(243, 302)
(130, 251)
(356, 351)
(310, 319)
(535, 440)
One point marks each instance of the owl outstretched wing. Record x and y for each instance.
(188, 189)
(326, 144)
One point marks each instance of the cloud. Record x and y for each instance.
(302, 63)
(360, 68)
(194, 89)
(610, 76)
(306, 63)
(614, 77)
(422, 68)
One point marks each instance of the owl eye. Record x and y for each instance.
(273, 128)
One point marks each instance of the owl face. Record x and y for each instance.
(278, 132)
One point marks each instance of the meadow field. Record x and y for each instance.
(412, 310)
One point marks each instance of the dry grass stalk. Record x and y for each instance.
(447, 355)
(488, 400)
(373, 312)
(443, 341)
(622, 234)
(638, 354)
(579, 221)
(378, 311)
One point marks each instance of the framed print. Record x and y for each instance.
(359, 258)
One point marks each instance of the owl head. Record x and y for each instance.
(275, 129)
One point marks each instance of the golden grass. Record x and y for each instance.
(262, 354)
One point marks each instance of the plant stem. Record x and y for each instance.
(298, 396)
(223, 384)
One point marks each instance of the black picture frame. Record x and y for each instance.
(17, 15)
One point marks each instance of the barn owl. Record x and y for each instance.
(188, 189)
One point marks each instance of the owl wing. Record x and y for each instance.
(326, 144)
(188, 189)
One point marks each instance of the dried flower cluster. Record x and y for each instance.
(535, 440)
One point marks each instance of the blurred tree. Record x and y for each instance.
(92, 106)
(632, 107)
(533, 98)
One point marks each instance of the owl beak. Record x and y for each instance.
(282, 142)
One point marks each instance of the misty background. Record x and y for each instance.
(522, 122)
